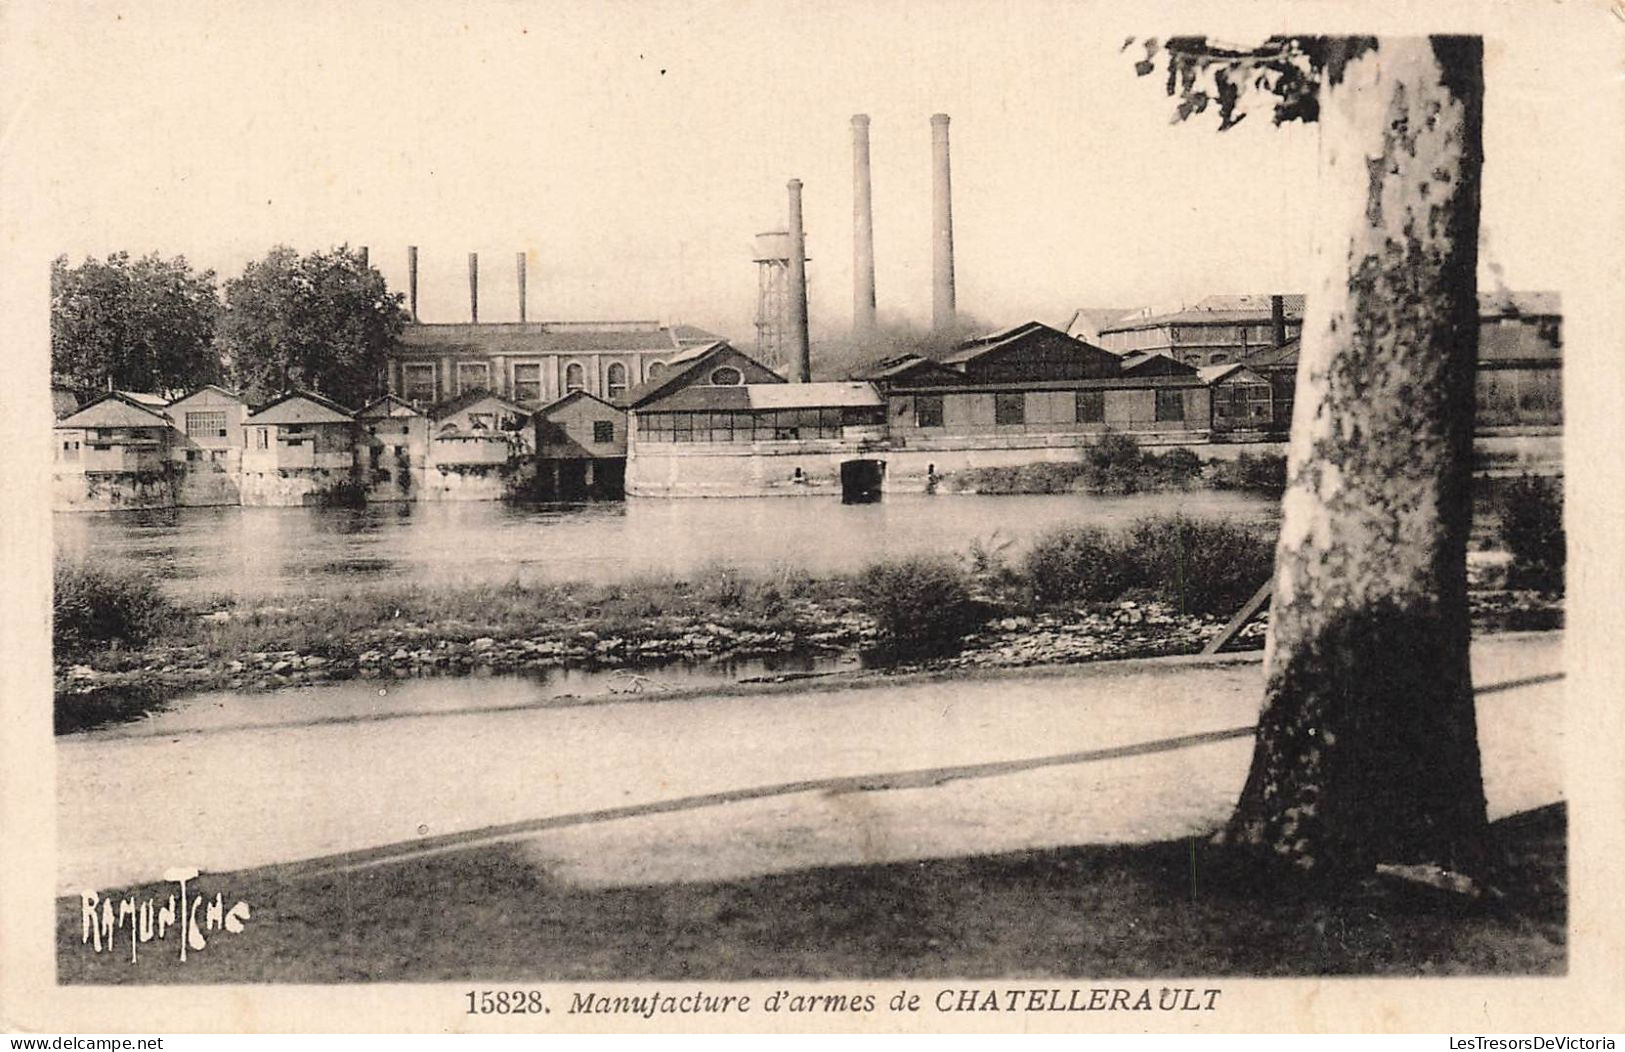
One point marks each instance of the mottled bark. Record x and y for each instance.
(1367, 747)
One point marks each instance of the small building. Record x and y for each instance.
(1216, 330)
(480, 448)
(393, 445)
(112, 453)
(581, 448)
(1242, 401)
(208, 446)
(299, 448)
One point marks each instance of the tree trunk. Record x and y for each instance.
(1367, 748)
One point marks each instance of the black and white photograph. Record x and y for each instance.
(558, 516)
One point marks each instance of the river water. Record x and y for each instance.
(271, 551)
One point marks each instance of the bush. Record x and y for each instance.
(1113, 463)
(922, 604)
(1264, 473)
(97, 607)
(1197, 566)
(1078, 564)
(1177, 467)
(1532, 529)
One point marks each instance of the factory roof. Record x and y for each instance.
(300, 407)
(1212, 310)
(1087, 322)
(576, 396)
(115, 409)
(542, 337)
(834, 394)
(1109, 383)
(1154, 363)
(469, 399)
(216, 388)
(1212, 374)
(682, 368)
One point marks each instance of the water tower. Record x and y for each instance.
(775, 338)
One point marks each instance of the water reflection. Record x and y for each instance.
(267, 551)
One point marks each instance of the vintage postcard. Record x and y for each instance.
(874, 517)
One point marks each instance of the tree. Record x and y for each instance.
(141, 325)
(1367, 746)
(323, 321)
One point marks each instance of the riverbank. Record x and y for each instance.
(421, 632)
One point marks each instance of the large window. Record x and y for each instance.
(575, 377)
(472, 376)
(206, 425)
(1010, 407)
(655, 369)
(927, 410)
(603, 432)
(1091, 407)
(615, 381)
(1170, 406)
(417, 382)
(527, 382)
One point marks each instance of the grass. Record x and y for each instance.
(1135, 910)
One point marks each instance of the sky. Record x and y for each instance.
(633, 149)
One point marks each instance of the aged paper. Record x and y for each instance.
(631, 155)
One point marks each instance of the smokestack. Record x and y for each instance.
(412, 279)
(863, 231)
(520, 260)
(942, 228)
(364, 261)
(1278, 319)
(801, 353)
(474, 287)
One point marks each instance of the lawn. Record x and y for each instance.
(1140, 910)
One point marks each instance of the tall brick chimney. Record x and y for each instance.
(520, 263)
(863, 231)
(800, 347)
(412, 280)
(942, 228)
(474, 287)
(1278, 319)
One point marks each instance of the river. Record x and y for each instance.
(271, 551)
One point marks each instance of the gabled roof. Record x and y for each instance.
(687, 334)
(114, 409)
(977, 346)
(904, 365)
(1152, 362)
(1248, 309)
(468, 399)
(387, 406)
(1275, 357)
(1212, 374)
(146, 398)
(576, 396)
(1090, 320)
(300, 407)
(678, 370)
(208, 387)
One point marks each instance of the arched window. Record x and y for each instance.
(727, 376)
(655, 369)
(615, 381)
(575, 377)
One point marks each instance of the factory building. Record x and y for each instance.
(1216, 330)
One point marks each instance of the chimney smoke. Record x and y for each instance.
(474, 287)
(412, 280)
(801, 353)
(942, 228)
(520, 262)
(863, 231)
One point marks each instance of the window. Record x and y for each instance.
(481, 421)
(1170, 406)
(615, 381)
(1091, 407)
(655, 369)
(1010, 407)
(603, 431)
(927, 410)
(727, 376)
(191, 456)
(262, 438)
(527, 382)
(206, 425)
(417, 382)
(473, 376)
(575, 377)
